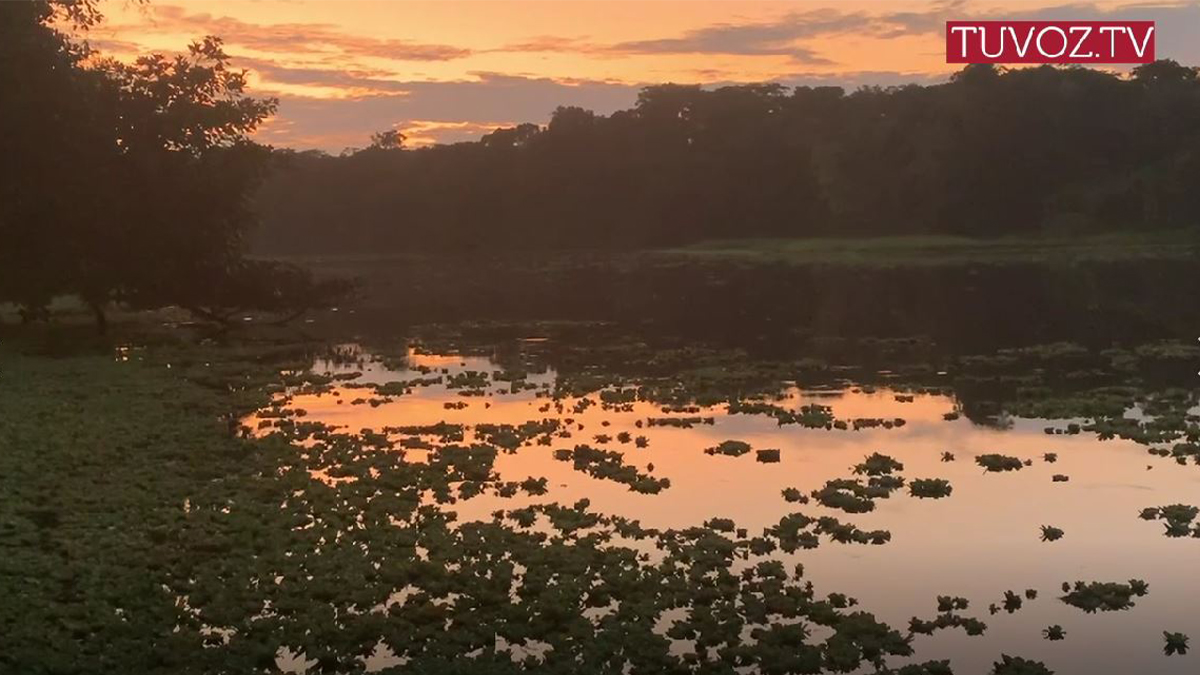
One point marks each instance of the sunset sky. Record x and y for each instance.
(448, 70)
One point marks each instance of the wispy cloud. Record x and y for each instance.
(297, 38)
(786, 35)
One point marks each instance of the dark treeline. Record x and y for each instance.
(992, 152)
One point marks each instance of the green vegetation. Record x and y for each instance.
(173, 515)
(921, 251)
(930, 488)
(947, 603)
(731, 448)
(1176, 643)
(1177, 519)
(1015, 665)
(154, 474)
(998, 463)
(610, 465)
(1104, 596)
(1050, 533)
(878, 465)
(767, 456)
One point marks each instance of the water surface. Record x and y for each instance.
(980, 541)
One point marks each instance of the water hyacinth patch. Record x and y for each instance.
(610, 465)
(730, 448)
(948, 603)
(1176, 643)
(930, 488)
(1050, 533)
(1177, 519)
(767, 456)
(792, 495)
(1104, 596)
(1016, 665)
(998, 463)
(878, 465)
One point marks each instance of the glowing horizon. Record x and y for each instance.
(451, 71)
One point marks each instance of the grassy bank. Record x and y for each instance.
(926, 251)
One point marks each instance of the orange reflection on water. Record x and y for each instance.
(979, 542)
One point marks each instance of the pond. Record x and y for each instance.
(974, 505)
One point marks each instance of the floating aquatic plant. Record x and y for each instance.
(930, 488)
(1050, 533)
(1176, 643)
(794, 496)
(1016, 665)
(1104, 596)
(947, 619)
(845, 495)
(609, 465)
(1012, 602)
(878, 464)
(948, 603)
(1054, 633)
(1177, 518)
(767, 456)
(995, 462)
(730, 448)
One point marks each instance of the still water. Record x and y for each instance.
(982, 540)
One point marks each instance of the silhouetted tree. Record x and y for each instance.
(387, 140)
(128, 182)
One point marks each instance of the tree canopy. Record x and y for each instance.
(990, 152)
(128, 182)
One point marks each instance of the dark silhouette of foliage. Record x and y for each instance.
(132, 182)
(1049, 150)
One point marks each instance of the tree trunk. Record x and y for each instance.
(101, 319)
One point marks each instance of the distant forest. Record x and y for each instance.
(992, 152)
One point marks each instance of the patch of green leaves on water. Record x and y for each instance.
(930, 488)
(877, 464)
(998, 463)
(947, 618)
(729, 448)
(1051, 533)
(610, 465)
(1176, 643)
(1104, 596)
(767, 455)
(1177, 519)
(1016, 665)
